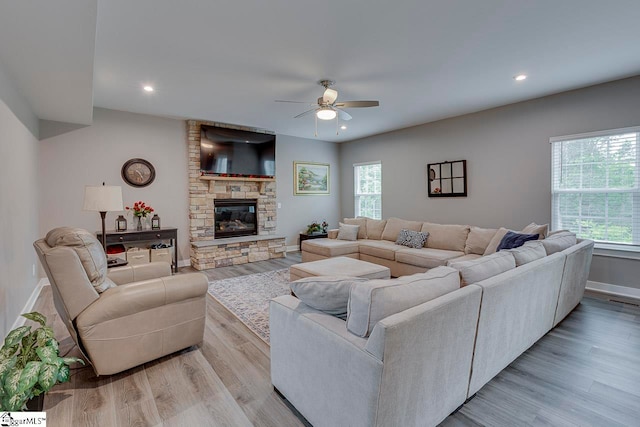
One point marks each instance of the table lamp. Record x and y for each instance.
(103, 198)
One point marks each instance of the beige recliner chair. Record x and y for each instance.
(124, 318)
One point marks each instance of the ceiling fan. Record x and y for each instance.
(327, 108)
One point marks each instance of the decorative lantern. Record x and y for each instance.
(155, 222)
(121, 223)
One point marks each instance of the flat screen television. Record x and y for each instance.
(233, 152)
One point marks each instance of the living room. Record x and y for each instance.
(47, 160)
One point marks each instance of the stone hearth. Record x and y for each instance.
(206, 250)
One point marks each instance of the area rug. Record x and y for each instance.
(247, 297)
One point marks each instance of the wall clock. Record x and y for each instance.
(138, 172)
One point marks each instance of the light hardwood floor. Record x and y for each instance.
(584, 372)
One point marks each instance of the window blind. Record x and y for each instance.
(595, 185)
(368, 189)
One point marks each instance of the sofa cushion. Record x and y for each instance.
(528, 252)
(325, 293)
(495, 241)
(379, 248)
(394, 225)
(484, 267)
(372, 301)
(558, 242)
(330, 247)
(533, 228)
(375, 227)
(412, 239)
(89, 251)
(425, 257)
(348, 232)
(362, 222)
(467, 257)
(478, 240)
(515, 240)
(449, 237)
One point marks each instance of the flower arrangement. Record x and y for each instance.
(317, 227)
(140, 209)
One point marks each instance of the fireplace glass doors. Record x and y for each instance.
(234, 217)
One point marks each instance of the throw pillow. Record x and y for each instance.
(329, 294)
(478, 240)
(483, 268)
(515, 240)
(534, 228)
(362, 222)
(373, 301)
(411, 239)
(495, 241)
(348, 232)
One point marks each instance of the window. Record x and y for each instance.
(595, 185)
(368, 189)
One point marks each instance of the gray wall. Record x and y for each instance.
(18, 105)
(96, 153)
(508, 162)
(19, 212)
(299, 211)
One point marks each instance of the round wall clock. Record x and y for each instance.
(138, 172)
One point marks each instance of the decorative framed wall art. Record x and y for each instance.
(311, 178)
(447, 179)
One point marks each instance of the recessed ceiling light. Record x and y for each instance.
(520, 77)
(148, 88)
(343, 127)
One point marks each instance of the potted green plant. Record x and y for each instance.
(30, 364)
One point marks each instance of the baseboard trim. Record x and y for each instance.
(293, 248)
(613, 290)
(28, 307)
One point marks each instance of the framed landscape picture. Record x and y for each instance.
(310, 178)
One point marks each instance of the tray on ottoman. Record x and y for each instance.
(342, 266)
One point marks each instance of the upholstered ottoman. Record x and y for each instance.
(343, 266)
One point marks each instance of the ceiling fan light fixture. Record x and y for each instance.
(326, 114)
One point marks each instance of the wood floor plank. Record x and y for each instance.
(583, 372)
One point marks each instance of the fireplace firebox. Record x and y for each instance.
(235, 217)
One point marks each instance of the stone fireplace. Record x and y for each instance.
(235, 217)
(210, 248)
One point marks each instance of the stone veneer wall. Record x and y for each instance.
(202, 194)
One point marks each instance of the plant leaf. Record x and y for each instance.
(64, 374)
(15, 402)
(16, 335)
(44, 334)
(29, 376)
(36, 317)
(52, 342)
(47, 354)
(12, 380)
(6, 365)
(70, 360)
(48, 376)
(8, 351)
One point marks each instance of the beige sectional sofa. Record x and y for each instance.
(413, 349)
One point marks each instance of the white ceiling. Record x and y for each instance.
(228, 61)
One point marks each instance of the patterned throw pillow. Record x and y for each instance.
(411, 239)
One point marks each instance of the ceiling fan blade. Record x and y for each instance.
(295, 102)
(306, 113)
(357, 104)
(330, 96)
(343, 114)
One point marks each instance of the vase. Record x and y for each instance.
(138, 222)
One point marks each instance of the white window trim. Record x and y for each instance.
(355, 192)
(614, 250)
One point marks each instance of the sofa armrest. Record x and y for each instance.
(333, 234)
(315, 359)
(136, 297)
(137, 273)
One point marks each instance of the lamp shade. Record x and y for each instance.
(326, 114)
(102, 198)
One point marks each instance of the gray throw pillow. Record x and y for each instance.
(412, 239)
(348, 232)
(329, 294)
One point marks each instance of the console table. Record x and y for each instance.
(134, 236)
